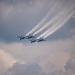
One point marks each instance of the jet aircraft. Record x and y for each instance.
(29, 36)
(33, 40)
(21, 37)
(41, 39)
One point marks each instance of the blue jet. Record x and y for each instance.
(41, 39)
(29, 36)
(21, 37)
(33, 40)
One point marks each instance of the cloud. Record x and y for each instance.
(6, 61)
(25, 69)
(70, 66)
(20, 8)
(56, 52)
(34, 68)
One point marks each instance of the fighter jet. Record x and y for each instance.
(33, 40)
(21, 37)
(29, 36)
(41, 39)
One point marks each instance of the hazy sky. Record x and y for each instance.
(56, 56)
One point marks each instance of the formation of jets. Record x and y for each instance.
(31, 38)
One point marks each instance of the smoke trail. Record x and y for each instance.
(59, 26)
(55, 25)
(50, 22)
(46, 32)
(43, 21)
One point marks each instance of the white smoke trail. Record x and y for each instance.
(55, 24)
(46, 32)
(44, 19)
(59, 26)
(50, 22)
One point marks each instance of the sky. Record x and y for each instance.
(55, 56)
